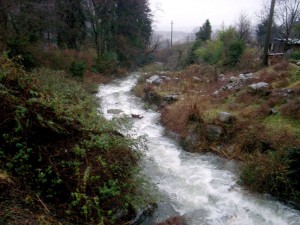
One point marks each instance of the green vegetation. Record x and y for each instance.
(60, 160)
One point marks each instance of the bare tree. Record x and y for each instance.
(287, 13)
(243, 28)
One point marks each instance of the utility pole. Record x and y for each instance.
(268, 35)
(172, 33)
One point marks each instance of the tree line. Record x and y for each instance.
(116, 29)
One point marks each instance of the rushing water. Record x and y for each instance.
(203, 188)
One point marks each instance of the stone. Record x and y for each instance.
(242, 77)
(171, 98)
(226, 117)
(259, 86)
(155, 80)
(196, 79)
(214, 132)
(233, 79)
(249, 75)
(114, 111)
(298, 63)
(273, 111)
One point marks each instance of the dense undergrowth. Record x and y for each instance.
(60, 162)
(263, 131)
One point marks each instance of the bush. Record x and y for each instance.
(77, 69)
(18, 47)
(211, 53)
(294, 55)
(107, 63)
(276, 172)
(235, 50)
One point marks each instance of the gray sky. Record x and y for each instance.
(188, 14)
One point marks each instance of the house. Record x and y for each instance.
(279, 45)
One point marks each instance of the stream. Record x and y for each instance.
(201, 187)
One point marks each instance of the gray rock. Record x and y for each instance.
(249, 75)
(259, 86)
(298, 63)
(226, 117)
(114, 111)
(155, 80)
(273, 111)
(214, 132)
(242, 77)
(233, 79)
(171, 98)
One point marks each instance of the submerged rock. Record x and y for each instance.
(177, 220)
(114, 111)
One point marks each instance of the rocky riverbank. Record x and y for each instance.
(249, 116)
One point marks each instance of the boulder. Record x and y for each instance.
(259, 86)
(298, 63)
(114, 111)
(171, 98)
(249, 75)
(226, 117)
(214, 132)
(233, 79)
(155, 80)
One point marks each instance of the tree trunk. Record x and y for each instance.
(268, 35)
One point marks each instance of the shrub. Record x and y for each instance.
(235, 50)
(77, 69)
(294, 55)
(107, 63)
(294, 74)
(276, 172)
(211, 53)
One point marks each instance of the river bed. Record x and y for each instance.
(201, 187)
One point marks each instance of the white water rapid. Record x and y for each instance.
(203, 188)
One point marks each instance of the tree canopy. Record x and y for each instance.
(204, 32)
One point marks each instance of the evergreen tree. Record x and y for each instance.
(204, 32)
(71, 23)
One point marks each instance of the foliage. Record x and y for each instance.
(212, 52)
(56, 145)
(204, 33)
(235, 51)
(77, 69)
(110, 27)
(276, 172)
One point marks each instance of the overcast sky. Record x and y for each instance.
(188, 14)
